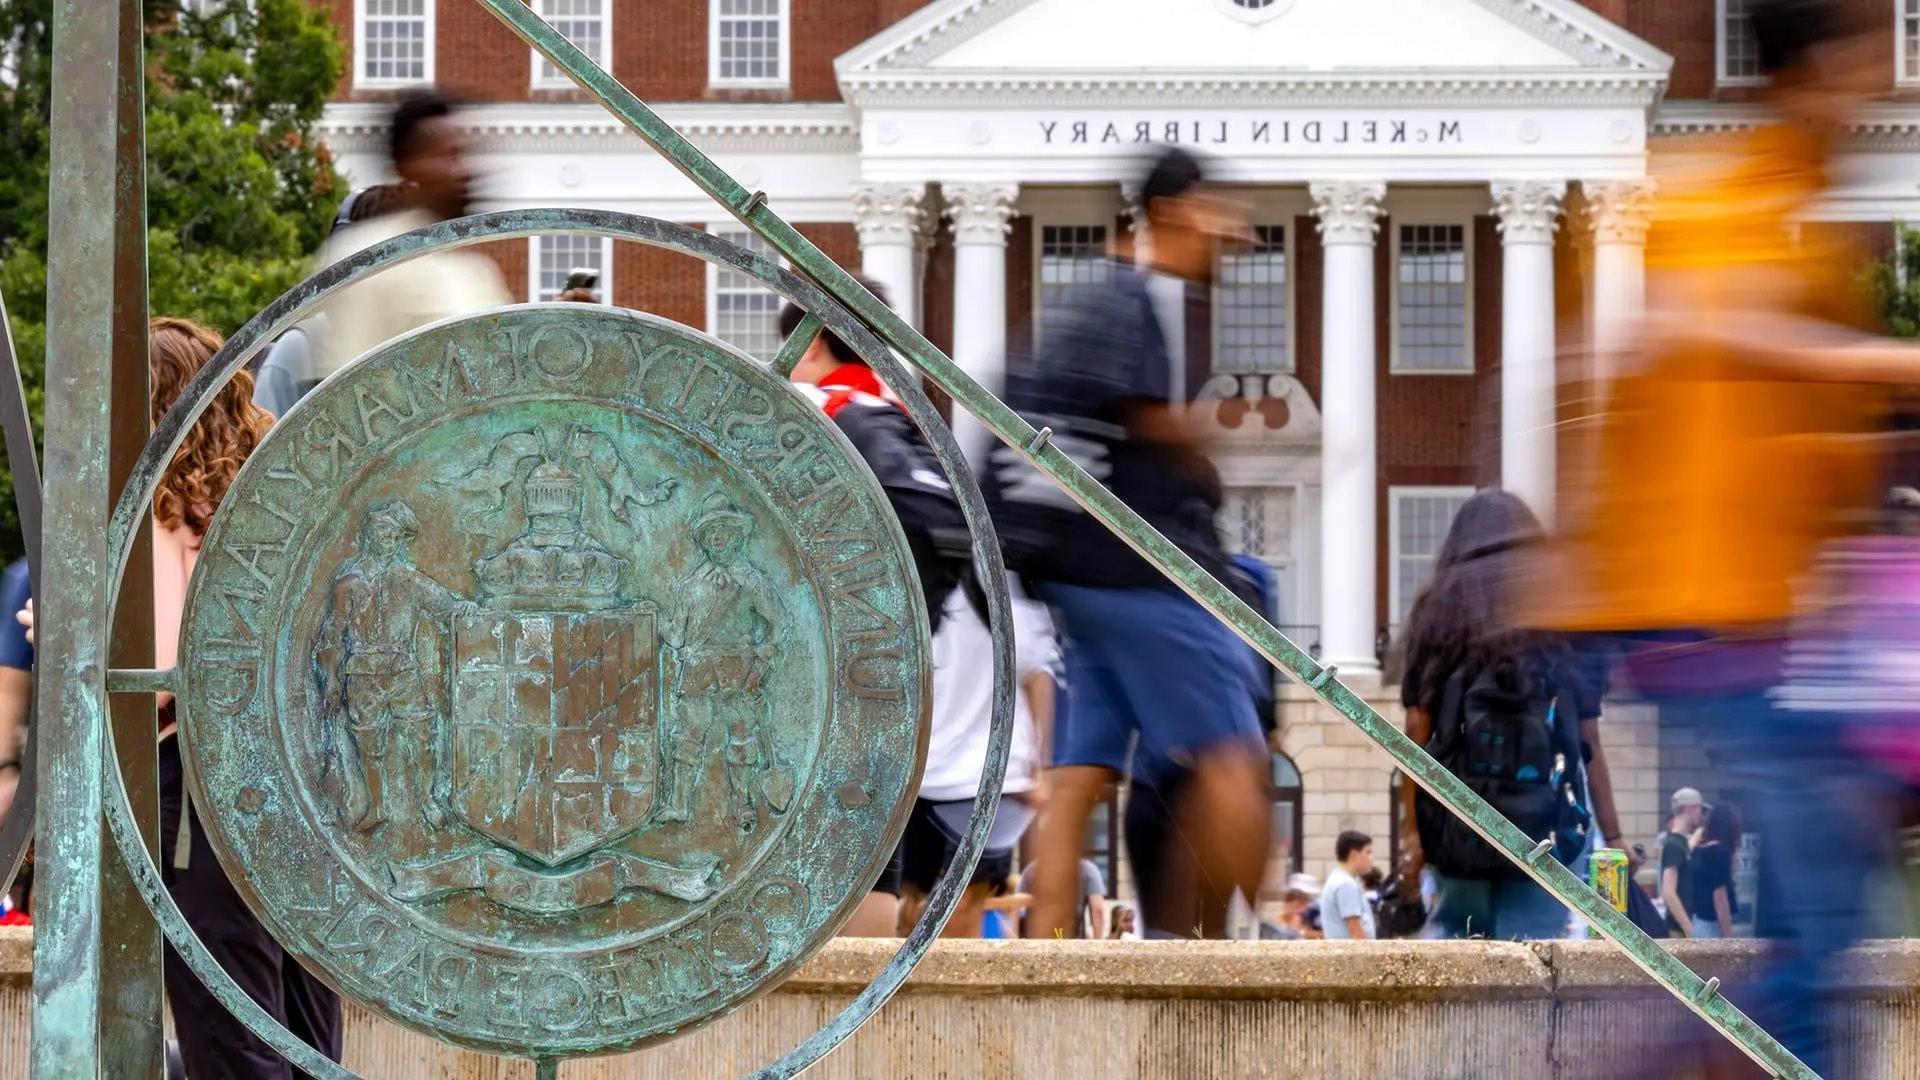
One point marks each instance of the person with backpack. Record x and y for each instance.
(1508, 711)
(836, 379)
(1145, 663)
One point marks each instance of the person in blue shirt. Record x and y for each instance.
(16, 679)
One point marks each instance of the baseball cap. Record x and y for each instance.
(1686, 797)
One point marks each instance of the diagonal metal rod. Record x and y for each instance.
(752, 210)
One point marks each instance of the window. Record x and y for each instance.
(586, 23)
(741, 311)
(1258, 521)
(1739, 50)
(1907, 40)
(1418, 520)
(392, 42)
(554, 258)
(1070, 255)
(1287, 793)
(1251, 301)
(1430, 317)
(747, 42)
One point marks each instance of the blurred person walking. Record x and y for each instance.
(1142, 659)
(1507, 710)
(1676, 859)
(429, 154)
(834, 377)
(957, 751)
(1729, 453)
(298, 359)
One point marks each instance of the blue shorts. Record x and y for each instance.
(1152, 663)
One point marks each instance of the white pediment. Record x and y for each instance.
(1371, 38)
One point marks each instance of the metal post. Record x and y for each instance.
(87, 117)
(131, 1039)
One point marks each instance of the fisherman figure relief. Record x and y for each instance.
(723, 643)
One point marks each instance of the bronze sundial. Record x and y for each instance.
(554, 680)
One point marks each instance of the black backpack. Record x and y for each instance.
(1504, 730)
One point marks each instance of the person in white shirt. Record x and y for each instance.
(1345, 913)
(430, 160)
(957, 749)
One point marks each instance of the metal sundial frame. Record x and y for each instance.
(97, 233)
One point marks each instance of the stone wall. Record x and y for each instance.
(1348, 780)
(1041, 1010)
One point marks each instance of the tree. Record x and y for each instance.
(239, 192)
(1894, 283)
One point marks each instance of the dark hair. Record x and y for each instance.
(1723, 824)
(410, 114)
(1465, 614)
(790, 317)
(370, 202)
(1174, 173)
(1786, 32)
(1350, 842)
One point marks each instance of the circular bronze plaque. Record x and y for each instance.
(553, 680)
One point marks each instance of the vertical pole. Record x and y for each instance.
(73, 604)
(131, 1038)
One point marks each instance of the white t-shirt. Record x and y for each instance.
(963, 697)
(403, 297)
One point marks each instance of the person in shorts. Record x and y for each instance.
(1144, 662)
(957, 751)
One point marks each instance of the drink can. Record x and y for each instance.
(1607, 872)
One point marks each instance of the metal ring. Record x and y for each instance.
(17, 424)
(173, 428)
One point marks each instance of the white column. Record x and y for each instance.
(1349, 216)
(1529, 213)
(1618, 212)
(887, 217)
(982, 214)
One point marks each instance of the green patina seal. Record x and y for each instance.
(554, 679)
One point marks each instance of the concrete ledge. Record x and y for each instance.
(1045, 1009)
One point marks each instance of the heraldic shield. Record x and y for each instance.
(555, 717)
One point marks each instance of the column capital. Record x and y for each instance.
(981, 213)
(888, 213)
(1349, 210)
(1618, 211)
(1529, 210)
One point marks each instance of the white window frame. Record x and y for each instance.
(1395, 494)
(1900, 16)
(786, 52)
(1062, 206)
(1720, 76)
(1394, 225)
(605, 287)
(729, 230)
(361, 81)
(559, 80)
(1291, 254)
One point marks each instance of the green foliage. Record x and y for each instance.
(239, 193)
(1894, 283)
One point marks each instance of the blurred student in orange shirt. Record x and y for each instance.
(1734, 445)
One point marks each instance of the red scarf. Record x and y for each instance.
(848, 380)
